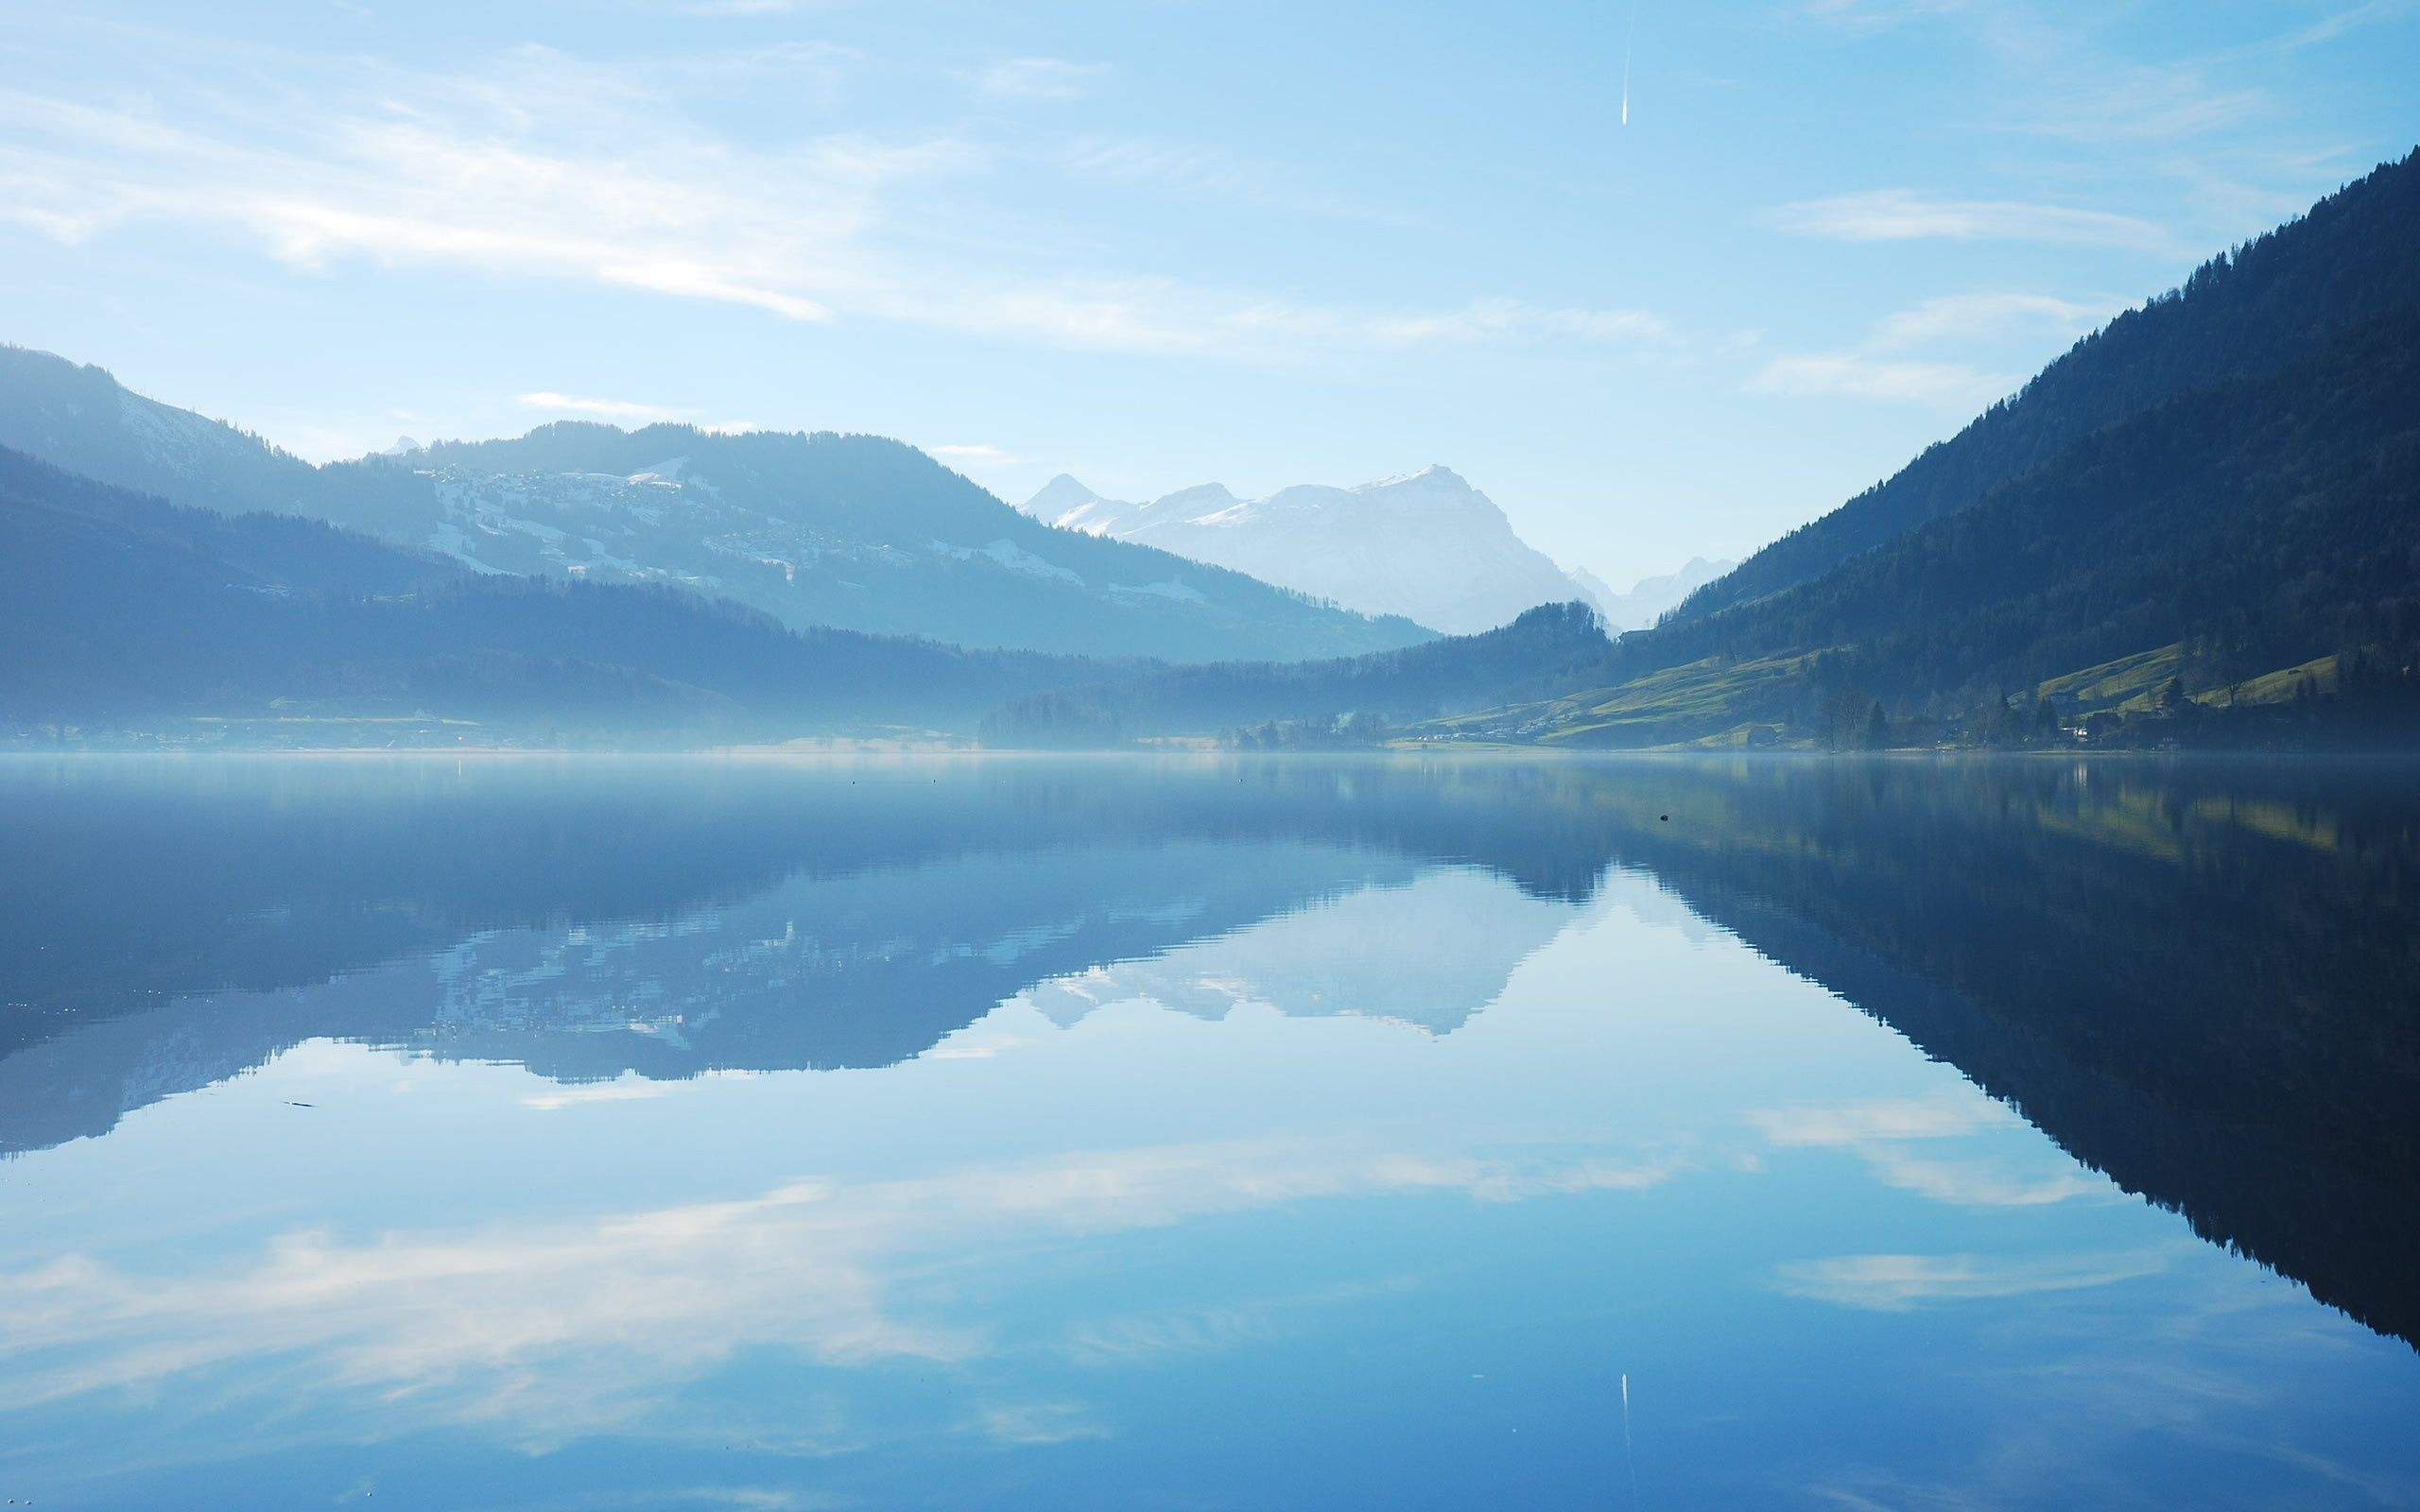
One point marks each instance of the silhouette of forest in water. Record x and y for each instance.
(2198, 976)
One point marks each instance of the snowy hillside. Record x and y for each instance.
(854, 532)
(1429, 547)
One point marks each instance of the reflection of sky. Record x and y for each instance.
(1147, 1258)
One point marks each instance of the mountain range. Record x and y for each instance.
(120, 610)
(1426, 546)
(2199, 525)
(853, 532)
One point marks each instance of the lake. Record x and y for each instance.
(1206, 1132)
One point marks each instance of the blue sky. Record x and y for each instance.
(1159, 244)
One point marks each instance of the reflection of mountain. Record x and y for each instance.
(2202, 980)
(2199, 978)
(186, 923)
(1428, 951)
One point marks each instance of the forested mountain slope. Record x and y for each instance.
(122, 611)
(850, 531)
(2355, 255)
(2265, 521)
(1349, 700)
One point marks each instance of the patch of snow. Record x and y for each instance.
(1007, 553)
(448, 540)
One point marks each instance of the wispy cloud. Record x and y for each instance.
(1974, 316)
(1859, 1122)
(1038, 79)
(1865, 17)
(1898, 1283)
(1902, 214)
(1890, 364)
(605, 408)
(1888, 1135)
(1488, 319)
(1860, 375)
(974, 453)
(542, 168)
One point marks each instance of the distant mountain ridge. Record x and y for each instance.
(855, 532)
(121, 614)
(1651, 598)
(1426, 546)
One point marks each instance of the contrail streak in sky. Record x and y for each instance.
(1627, 39)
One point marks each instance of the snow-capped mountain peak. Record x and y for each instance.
(1424, 544)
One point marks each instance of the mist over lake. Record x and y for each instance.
(1363, 1131)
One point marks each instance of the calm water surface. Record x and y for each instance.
(1010, 1133)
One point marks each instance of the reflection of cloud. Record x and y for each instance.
(1984, 1184)
(629, 1088)
(1932, 1118)
(553, 1331)
(1143, 1337)
(1878, 1130)
(1895, 1283)
(1039, 1422)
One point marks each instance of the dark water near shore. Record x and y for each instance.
(1189, 1133)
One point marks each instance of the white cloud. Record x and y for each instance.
(1886, 366)
(1902, 214)
(1185, 170)
(1897, 1283)
(605, 408)
(977, 456)
(1487, 320)
(544, 169)
(1858, 375)
(1037, 78)
(1972, 317)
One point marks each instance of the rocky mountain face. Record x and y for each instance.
(1429, 547)
(855, 532)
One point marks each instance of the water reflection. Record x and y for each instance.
(650, 1132)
